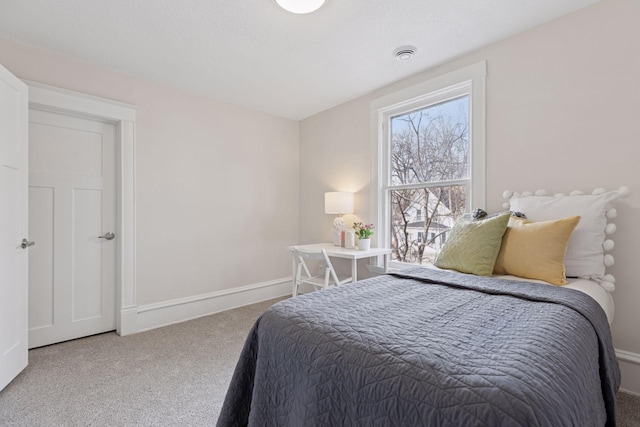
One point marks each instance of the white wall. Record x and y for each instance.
(563, 107)
(216, 184)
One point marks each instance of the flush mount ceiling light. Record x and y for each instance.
(404, 53)
(300, 6)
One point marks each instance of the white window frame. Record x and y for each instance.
(471, 81)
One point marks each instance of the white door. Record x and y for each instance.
(72, 182)
(13, 221)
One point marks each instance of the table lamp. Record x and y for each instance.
(338, 203)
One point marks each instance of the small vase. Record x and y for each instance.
(364, 244)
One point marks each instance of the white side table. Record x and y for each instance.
(339, 252)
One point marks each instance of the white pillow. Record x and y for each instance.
(585, 255)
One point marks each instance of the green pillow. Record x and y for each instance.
(473, 246)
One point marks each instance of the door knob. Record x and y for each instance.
(25, 243)
(108, 236)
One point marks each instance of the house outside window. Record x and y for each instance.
(428, 162)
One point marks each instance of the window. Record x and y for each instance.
(428, 162)
(428, 172)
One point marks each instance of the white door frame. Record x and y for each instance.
(49, 98)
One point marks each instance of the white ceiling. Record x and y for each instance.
(254, 54)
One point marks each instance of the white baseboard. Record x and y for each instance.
(630, 368)
(127, 323)
(151, 316)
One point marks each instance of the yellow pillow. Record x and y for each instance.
(536, 250)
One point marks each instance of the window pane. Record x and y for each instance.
(421, 220)
(431, 144)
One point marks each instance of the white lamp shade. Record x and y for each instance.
(338, 202)
(300, 6)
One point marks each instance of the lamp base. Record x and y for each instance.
(336, 231)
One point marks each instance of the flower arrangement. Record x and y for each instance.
(363, 231)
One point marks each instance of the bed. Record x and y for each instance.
(432, 347)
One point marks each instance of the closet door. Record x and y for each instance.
(72, 200)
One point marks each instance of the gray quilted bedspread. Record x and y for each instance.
(427, 348)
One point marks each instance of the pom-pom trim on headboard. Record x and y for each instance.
(607, 281)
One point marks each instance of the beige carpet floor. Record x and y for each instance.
(172, 376)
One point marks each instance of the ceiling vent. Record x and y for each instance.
(404, 53)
